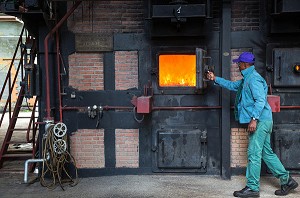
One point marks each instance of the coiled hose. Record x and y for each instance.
(55, 145)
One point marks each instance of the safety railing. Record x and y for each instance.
(13, 108)
(11, 79)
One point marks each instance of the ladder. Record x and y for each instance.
(10, 149)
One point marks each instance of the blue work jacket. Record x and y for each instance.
(253, 102)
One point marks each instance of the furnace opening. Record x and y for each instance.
(177, 70)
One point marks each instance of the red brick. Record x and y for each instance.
(126, 70)
(82, 66)
(127, 143)
(126, 17)
(239, 144)
(87, 151)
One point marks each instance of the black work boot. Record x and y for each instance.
(246, 192)
(286, 188)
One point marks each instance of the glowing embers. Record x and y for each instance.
(177, 70)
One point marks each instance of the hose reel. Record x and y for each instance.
(59, 144)
(55, 145)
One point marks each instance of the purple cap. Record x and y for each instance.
(246, 57)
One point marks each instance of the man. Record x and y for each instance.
(252, 108)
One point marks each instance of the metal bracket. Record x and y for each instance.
(203, 158)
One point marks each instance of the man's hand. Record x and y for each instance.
(210, 76)
(252, 126)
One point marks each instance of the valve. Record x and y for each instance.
(95, 111)
(92, 111)
(59, 130)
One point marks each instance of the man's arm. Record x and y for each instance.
(231, 85)
(259, 97)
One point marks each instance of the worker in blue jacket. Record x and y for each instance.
(252, 108)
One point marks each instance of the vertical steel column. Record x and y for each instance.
(225, 42)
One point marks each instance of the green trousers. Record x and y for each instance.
(259, 148)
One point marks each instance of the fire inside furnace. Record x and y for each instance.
(177, 70)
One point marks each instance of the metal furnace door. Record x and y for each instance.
(287, 141)
(284, 61)
(182, 149)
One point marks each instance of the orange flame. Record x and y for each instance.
(177, 70)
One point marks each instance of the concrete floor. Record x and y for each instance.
(134, 186)
(138, 186)
(18, 136)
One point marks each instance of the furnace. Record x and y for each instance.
(286, 67)
(177, 70)
(106, 64)
(180, 69)
(182, 139)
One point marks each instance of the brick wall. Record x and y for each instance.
(239, 144)
(127, 148)
(126, 70)
(108, 17)
(87, 147)
(235, 73)
(245, 15)
(239, 136)
(86, 71)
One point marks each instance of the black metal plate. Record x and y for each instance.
(287, 143)
(167, 11)
(179, 149)
(284, 60)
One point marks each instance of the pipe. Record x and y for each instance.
(58, 76)
(48, 116)
(153, 108)
(275, 6)
(186, 108)
(104, 108)
(211, 107)
(32, 161)
(289, 107)
(208, 9)
(40, 123)
(26, 167)
(166, 108)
